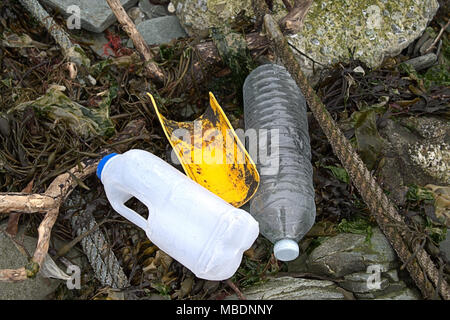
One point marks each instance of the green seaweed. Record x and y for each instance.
(358, 225)
(83, 121)
(339, 172)
(418, 194)
(369, 141)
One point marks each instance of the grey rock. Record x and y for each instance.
(161, 30)
(11, 258)
(299, 264)
(422, 62)
(152, 10)
(358, 283)
(444, 246)
(347, 253)
(288, 288)
(392, 275)
(96, 15)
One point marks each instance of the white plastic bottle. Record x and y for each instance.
(185, 220)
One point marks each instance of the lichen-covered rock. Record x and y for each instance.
(434, 159)
(371, 29)
(416, 152)
(333, 29)
(200, 15)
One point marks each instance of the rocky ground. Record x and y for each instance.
(380, 67)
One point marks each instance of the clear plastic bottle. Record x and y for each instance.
(188, 222)
(284, 203)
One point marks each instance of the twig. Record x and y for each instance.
(420, 269)
(235, 289)
(128, 25)
(437, 38)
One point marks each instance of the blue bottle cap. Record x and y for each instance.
(102, 163)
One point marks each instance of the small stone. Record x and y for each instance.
(171, 8)
(422, 62)
(91, 80)
(96, 16)
(425, 46)
(161, 30)
(419, 43)
(152, 10)
(136, 15)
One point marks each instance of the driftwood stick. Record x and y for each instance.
(422, 269)
(14, 217)
(49, 202)
(128, 25)
(26, 203)
(13, 275)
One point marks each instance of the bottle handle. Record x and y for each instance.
(131, 215)
(117, 199)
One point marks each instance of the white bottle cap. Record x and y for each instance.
(286, 250)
